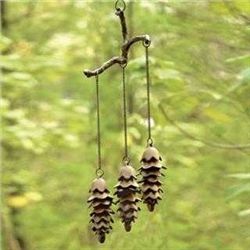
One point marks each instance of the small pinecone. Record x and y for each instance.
(100, 201)
(126, 191)
(151, 173)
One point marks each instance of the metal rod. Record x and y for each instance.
(150, 141)
(99, 170)
(124, 92)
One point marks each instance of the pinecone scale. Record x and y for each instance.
(126, 191)
(151, 171)
(100, 202)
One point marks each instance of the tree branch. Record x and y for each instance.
(204, 141)
(127, 43)
(126, 46)
(105, 66)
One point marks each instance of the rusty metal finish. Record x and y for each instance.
(126, 183)
(126, 191)
(127, 172)
(100, 202)
(120, 12)
(129, 199)
(151, 154)
(99, 184)
(151, 171)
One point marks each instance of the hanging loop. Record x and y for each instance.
(99, 172)
(150, 142)
(123, 65)
(122, 5)
(126, 160)
(146, 42)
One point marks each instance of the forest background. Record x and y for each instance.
(200, 71)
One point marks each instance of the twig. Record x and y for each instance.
(105, 66)
(127, 43)
(204, 141)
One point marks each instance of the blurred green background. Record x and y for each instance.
(200, 70)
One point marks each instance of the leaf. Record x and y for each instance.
(11, 62)
(240, 175)
(244, 59)
(187, 161)
(244, 212)
(215, 95)
(245, 75)
(238, 190)
(4, 42)
(135, 133)
(165, 74)
(17, 201)
(20, 79)
(139, 63)
(33, 196)
(216, 115)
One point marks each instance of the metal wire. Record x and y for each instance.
(124, 92)
(150, 141)
(99, 171)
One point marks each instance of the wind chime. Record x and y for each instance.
(129, 192)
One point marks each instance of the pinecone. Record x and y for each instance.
(100, 201)
(126, 191)
(151, 173)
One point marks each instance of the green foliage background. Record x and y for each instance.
(200, 70)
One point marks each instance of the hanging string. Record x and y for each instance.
(124, 91)
(150, 140)
(99, 171)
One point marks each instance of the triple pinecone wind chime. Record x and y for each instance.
(129, 192)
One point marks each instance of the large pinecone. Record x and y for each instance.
(151, 172)
(126, 191)
(100, 201)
